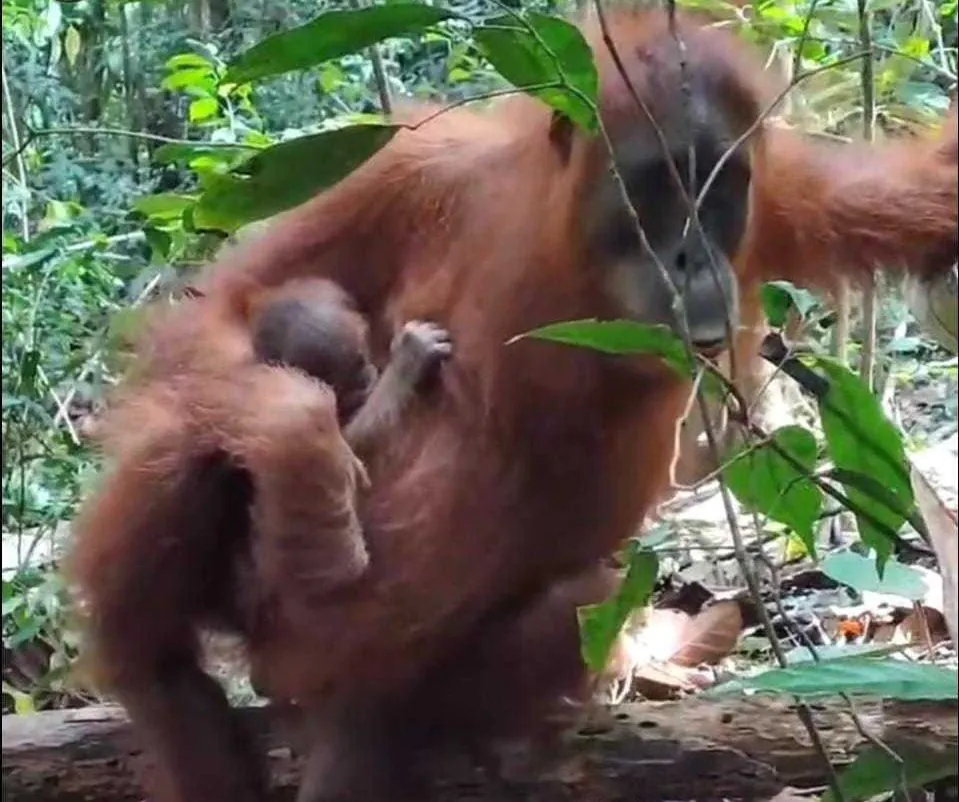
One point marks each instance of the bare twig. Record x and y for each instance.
(839, 344)
(807, 643)
(17, 154)
(692, 217)
(95, 357)
(803, 38)
(494, 93)
(929, 12)
(869, 301)
(755, 591)
(804, 713)
(87, 130)
(761, 118)
(379, 72)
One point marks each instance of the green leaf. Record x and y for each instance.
(886, 679)
(778, 297)
(331, 78)
(618, 337)
(30, 259)
(874, 771)
(185, 152)
(286, 175)
(164, 205)
(199, 79)
(188, 60)
(160, 243)
(860, 438)
(764, 481)
(860, 574)
(600, 624)
(331, 35)
(203, 108)
(71, 45)
(842, 651)
(23, 704)
(551, 51)
(26, 631)
(880, 493)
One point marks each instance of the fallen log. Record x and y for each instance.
(697, 749)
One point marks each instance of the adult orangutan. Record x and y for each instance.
(534, 461)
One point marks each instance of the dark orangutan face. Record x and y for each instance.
(696, 258)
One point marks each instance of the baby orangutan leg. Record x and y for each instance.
(306, 537)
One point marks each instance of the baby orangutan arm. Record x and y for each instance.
(415, 353)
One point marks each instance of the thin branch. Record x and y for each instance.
(382, 85)
(928, 11)
(97, 354)
(17, 154)
(736, 414)
(63, 413)
(803, 711)
(379, 72)
(87, 130)
(85, 245)
(798, 79)
(755, 591)
(676, 302)
(494, 93)
(801, 635)
(867, 366)
(692, 217)
(803, 38)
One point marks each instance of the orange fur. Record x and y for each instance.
(536, 461)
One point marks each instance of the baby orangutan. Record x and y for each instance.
(313, 326)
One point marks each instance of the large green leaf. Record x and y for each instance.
(860, 573)
(841, 651)
(880, 493)
(886, 679)
(286, 175)
(600, 624)
(778, 297)
(164, 205)
(860, 438)
(874, 771)
(331, 35)
(546, 50)
(766, 482)
(619, 337)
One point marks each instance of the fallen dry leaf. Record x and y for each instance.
(711, 635)
(672, 636)
(924, 626)
(944, 534)
(662, 634)
(934, 303)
